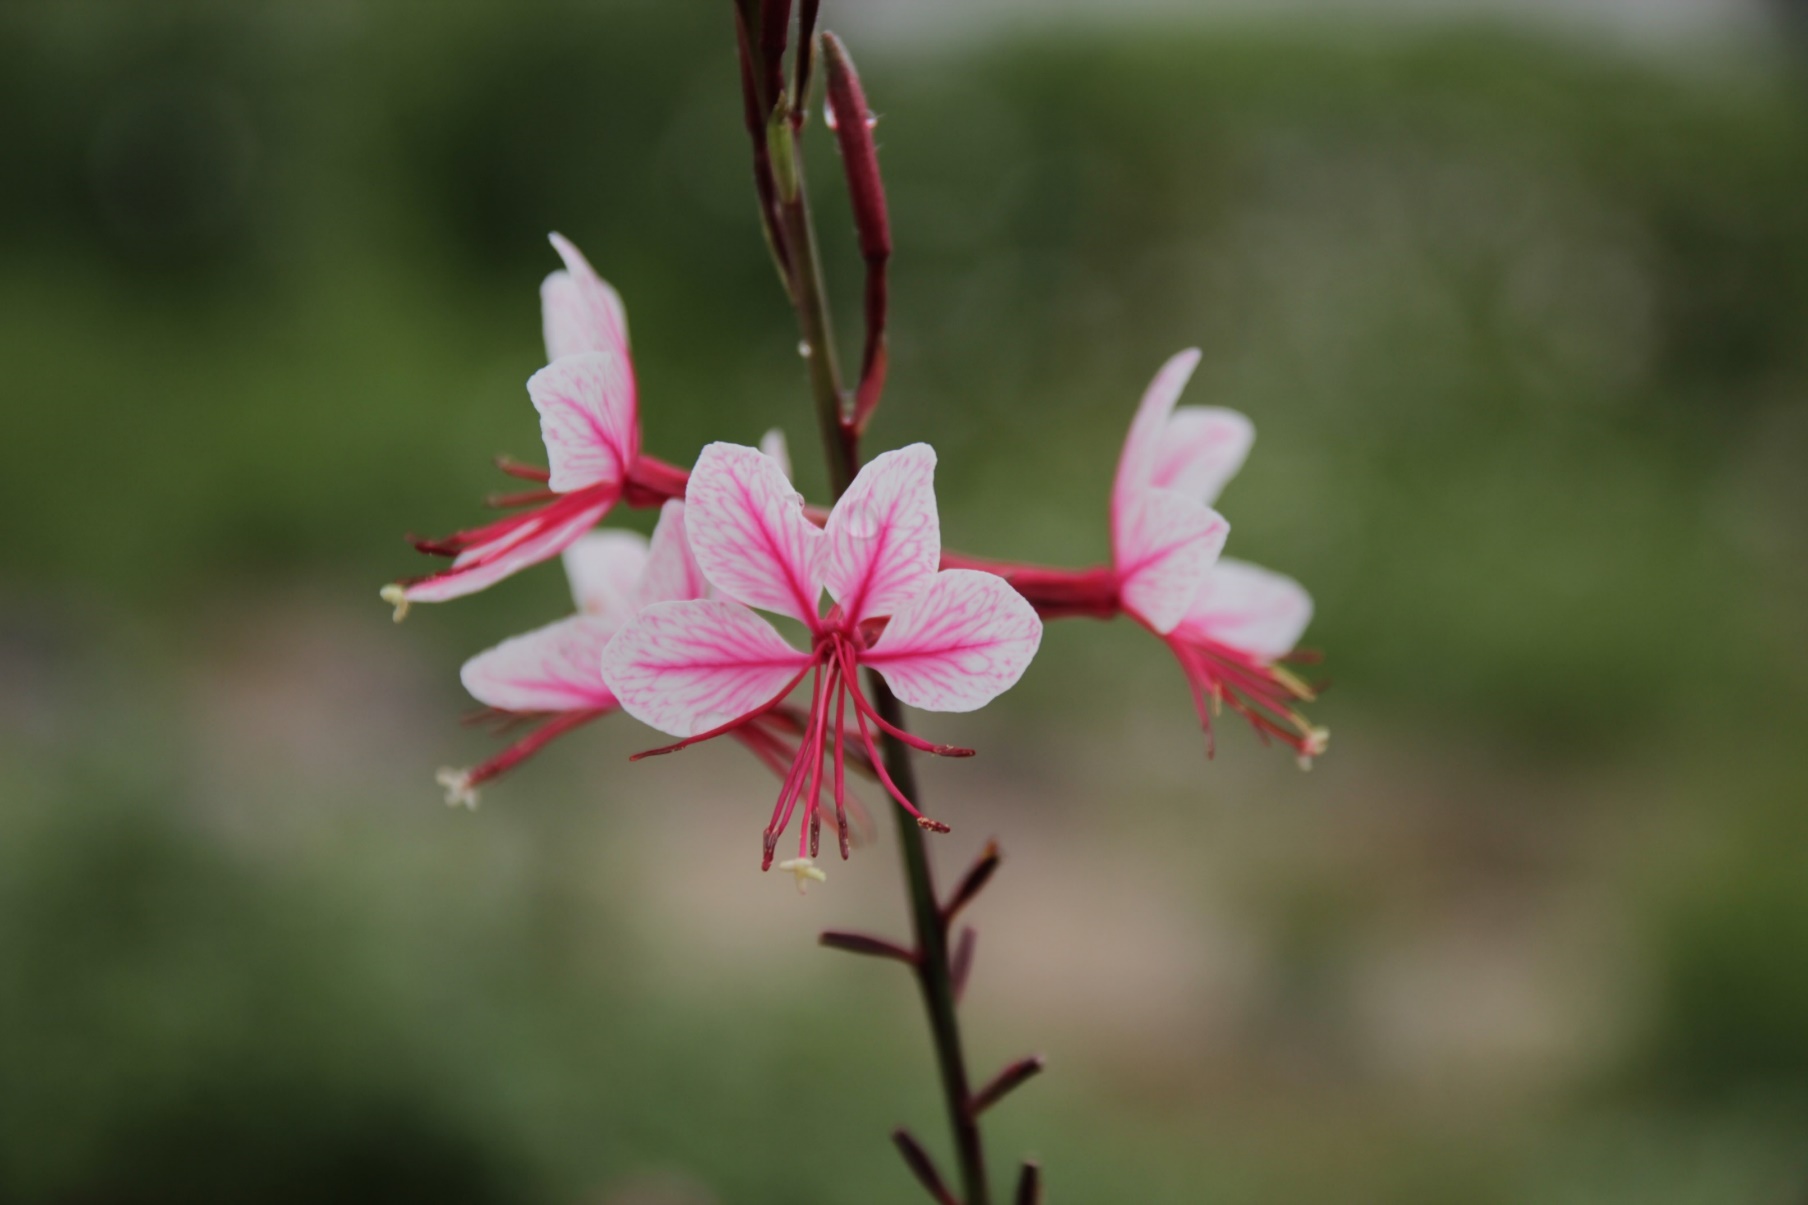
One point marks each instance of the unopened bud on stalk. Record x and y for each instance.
(852, 122)
(853, 126)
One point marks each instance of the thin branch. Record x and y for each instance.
(960, 964)
(1008, 1081)
(865, 943)
(922, 1167)
(973, 882)
(1029, 1184)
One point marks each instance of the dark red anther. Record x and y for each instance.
(960, 963)
(866, 943)
(1007, 1081)
(866, 190)
(1029, 1184)
(921, 1166)
(973, 882)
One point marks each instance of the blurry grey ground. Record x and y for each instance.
(1524, 327)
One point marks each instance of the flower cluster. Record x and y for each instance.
(667, 629)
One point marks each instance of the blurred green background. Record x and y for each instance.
(1523, 323)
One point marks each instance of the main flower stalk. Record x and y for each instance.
(931, 963)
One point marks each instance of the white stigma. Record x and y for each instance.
(806, 871)
(459, 791)
(1317, 740)
(396, 597)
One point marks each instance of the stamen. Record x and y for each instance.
(522, 498)
(934, 826)
(527, 472)
(794, 780)
(915, 742)
(841, 820)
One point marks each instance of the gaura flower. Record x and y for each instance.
(589, 421)
(552, 676)
(948, 640)
(1228, 623)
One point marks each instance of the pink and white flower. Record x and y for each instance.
(1228, 623)
(948, 640)
(552, 676)
(589, 421)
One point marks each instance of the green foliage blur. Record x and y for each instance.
(1524, 329)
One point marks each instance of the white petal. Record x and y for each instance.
(749, 534)
(605, 568)
(773, 444)
(671, 571)
(963, 641)
(1165, 544)
(579, 310)
(588, 418)
(1249, 608)
(554, 668)
(1202, 450)
(1142, 445)
(884, 537)
(688, 667)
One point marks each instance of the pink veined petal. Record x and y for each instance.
(554, 668)
(962, 642)
(670, 572)
(773, 445)
(605, 569)
(749, 535)
(505, 556)
(578, 309)
(1250, 608)
(1143, 444)
(1202, 450)
(1166, 544)
(687, 667)
(587, 418)
(884, 537)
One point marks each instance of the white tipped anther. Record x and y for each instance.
(459, 791)
(396, 597)
(807, 872)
